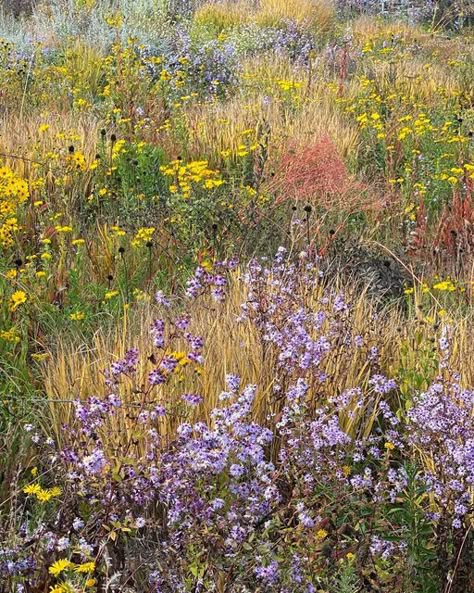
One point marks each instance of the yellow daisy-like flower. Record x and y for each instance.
(87, 567)
(60, 566)
(32, 489)
(18, 298)
(47, 495)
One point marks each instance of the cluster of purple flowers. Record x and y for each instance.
(258, 500)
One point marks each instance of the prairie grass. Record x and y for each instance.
(220, 16)
(144, 141)
(214, 128)
(75, 370)
(316, 15)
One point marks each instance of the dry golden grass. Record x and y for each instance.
(20, 136)
(215, 127)
(406, 346)
(317, 15)
(421, 81)
(366, 27)
(222, 15)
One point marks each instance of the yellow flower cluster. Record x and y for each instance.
(185, 175)
(180, 357)
(445, 285)
(42, 494)
(289, 85)
(455, 174)
(10, 336)
(142, 236)
(77, 316)
(77, 160)
(63, 564)
(118, 148)
(441, 286)
(13, 192)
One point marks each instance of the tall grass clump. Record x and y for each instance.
(315, 15)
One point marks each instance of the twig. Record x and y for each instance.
(21, 158)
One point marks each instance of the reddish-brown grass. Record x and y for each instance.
(316, 174)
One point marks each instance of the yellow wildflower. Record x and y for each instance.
(77, 316)
(38, 356)
(110, 294)
(445, 285)
(321, 534)
(59, 566)
(87, 567)
(10, 336)
(18, 298)
(32, 489)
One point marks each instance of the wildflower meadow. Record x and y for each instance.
(237, 296)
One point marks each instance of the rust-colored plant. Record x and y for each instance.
(315, 173)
